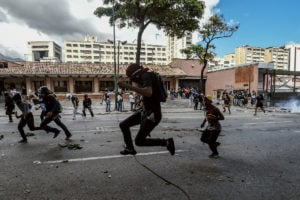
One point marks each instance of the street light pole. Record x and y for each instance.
(119, 44)
(115, 64)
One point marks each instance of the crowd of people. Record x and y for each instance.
(145, 106)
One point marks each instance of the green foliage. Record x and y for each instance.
(216, 28)
(175, 17)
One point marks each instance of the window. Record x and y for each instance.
(60, 86)
(106, 84)
(3, 65)
(38, 84)
(83, 86)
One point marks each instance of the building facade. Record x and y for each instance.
(76, 78)
(247, 54)
(174, 46)
(92, 51)
(294, 57)
(279, 56)
(43, 51)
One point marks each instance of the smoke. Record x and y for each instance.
(292, 105)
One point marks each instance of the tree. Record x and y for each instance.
(216, 28)
(175, 17)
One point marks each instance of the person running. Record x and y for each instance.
(87, 104)
(142, 82)
(53, 108)
(213, 129)
(259, 103)
(26, 117)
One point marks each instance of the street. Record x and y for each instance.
(259, 158)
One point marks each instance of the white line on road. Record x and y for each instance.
(106, 157)
(269, 122)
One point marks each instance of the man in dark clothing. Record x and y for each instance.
(212, 131)
(53, 110)
(259, 103)
(9, 106)
(87, 104)
(227, 102)
(26, 117)
(142, 82)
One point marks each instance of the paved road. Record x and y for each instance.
(259, 159)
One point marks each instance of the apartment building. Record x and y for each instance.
(43, 51)
(174, 46)
(279, 56)
(247, 54)
(221, 63)
(294, 57)
(92, 51)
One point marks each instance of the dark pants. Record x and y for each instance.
(47, 120)
(29, 120)
(146, 126)
(9, 112)
(210, 137)
(90, 110)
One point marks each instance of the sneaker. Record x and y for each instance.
(128, 151)
(23, 141)
(68, 137)
(171, 146)
(56, 133)
(214, 155)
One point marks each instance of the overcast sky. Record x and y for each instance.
(59, 20)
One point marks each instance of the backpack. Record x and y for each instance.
(60, 108)
(160, 87)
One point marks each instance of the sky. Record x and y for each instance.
(263, 23)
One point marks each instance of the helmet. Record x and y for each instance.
(17, 97)
(44, 90)
(209, 98)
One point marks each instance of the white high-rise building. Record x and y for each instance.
(43, 51)
(294, 57)
(92, 51)
(175, 45)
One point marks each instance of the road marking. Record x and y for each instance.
(106, 157)
(269, 122)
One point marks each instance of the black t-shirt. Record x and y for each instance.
(151, 104)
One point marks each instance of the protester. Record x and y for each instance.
(87, 104)
(259, 103)
(106, 98)
(142, 82)
(9, 106)
(26, 117)
(53, 108)
(75, 103)
(213, 129)
(131, 100)
(227, 102)
(120, 102)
